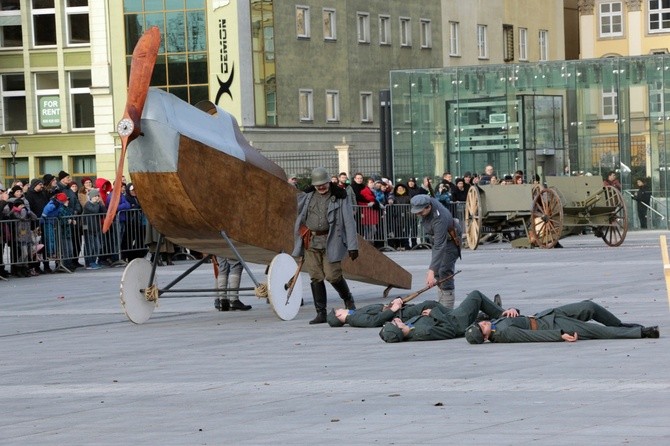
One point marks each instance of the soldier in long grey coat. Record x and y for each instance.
(376, 315)
(326, 223)
(445, 235)
(440, 323)
(567, 323)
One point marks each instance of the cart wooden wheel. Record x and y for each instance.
(473, 217)
(546, 217)
(615, 233)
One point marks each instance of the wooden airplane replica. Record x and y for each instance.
(187, 164)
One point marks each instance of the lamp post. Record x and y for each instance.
(13, 148)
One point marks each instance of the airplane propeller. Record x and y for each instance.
(141, 69)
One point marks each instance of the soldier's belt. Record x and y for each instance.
(533, 322)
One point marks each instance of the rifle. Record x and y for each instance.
(414, 295)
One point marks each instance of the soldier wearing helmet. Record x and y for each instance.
(325, 232)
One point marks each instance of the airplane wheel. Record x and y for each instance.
(134, 302)
(282, 270)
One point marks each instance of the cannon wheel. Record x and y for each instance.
(546, 221)
(473, 217)
(615, 233)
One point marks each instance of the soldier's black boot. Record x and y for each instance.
(343, 290)
(650, 332)
(320, 302)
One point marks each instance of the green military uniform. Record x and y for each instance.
(444, 323)
(377, 315)
(549, 325)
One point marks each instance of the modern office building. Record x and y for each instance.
(589, 116)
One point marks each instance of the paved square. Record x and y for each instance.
(76, 371)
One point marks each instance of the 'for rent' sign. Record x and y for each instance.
(50, 111)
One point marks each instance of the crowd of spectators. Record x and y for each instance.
(52, 222)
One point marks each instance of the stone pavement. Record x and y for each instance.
(75, 371)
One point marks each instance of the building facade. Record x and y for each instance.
(297, 76)
(46, 84)
(580, 117)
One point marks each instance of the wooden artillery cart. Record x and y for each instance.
(497, 209)
(568, 205)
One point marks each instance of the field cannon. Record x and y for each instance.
(540, 216)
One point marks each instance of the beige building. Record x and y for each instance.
(481, 32)
(613, 29)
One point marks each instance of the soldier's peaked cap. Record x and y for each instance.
(474, 335)
(419, 203)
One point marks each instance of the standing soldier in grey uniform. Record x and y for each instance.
(325, 231)
(567, 323)
(445, 234)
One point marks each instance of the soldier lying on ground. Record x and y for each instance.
(441, 323)
(376, 315)
(567, 323)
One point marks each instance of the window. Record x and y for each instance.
(329, 31)
(659, 16)
(384, 30)
(544, 45)
(182, 66)
(271, 108)
(48, 101)
(363, 27)
(77, 22)
(269, 42)
(508, 43)
(426, 35)
(13, 89)
(454, 40)
(656, 105)
(10, 24)
(610, 103)
(482, 42)
(81, 101)
(44, 22)
(366, 106)
(523, 44)
(306, 106)
(406, 108)
(49, 164)
(427, 114)
(82, 166)
(611, 19)
(405, 32)
(332, 106)
(302, 22)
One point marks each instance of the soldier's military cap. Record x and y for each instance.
(419, 203)
(333, 321)
(391, 333)
(474, 335)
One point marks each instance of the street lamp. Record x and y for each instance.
(13, 148)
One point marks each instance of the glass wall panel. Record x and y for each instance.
(583, 117)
